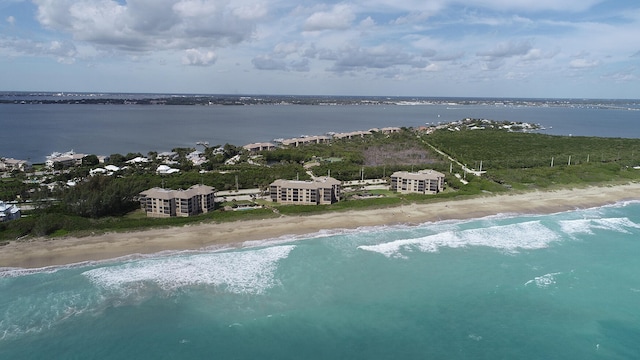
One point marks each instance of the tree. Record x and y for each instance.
(90, 160)
(117, 159)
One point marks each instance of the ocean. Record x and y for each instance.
(512, 286)
(31, 132)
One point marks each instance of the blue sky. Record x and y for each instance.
(497, 48)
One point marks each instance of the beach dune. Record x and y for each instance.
(39, 253)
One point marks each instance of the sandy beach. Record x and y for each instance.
(60, 251)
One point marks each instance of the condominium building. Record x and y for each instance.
(295, 142)
(158, 202)
(10, 164)
(323, 190)
(257, 147)
(421, 182)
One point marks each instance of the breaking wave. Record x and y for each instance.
(250, 272)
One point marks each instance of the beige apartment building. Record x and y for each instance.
(421, 182)
(323, 190)
(158, 202)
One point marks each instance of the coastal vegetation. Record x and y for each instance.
(510, 158)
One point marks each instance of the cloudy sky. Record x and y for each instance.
(515, 48)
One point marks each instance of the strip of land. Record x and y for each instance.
(40, 253)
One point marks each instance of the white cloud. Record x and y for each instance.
(251, 11)
(199, 58)
(380, 57)
(432, 68)
(516, 75)
(284, 49)
(583, 63)
(266, 62)
(11, 20)
(627, 75)
(147, 25)
(447, 56)
(368, 22)
(63, 51)
(339, 17)
(538, 54)
(507, 49)
(533, 5)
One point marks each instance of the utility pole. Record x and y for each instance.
(552, 161)
(569, 163)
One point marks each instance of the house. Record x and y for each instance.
(421, 182)
(197, 158)
(8, 212)
(10, 164)
(323, 190)
(165, 169)
(158, 202)
(138, 160)
(67, 159)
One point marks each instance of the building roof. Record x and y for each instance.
(164, 169)
(321, 182)
(420, 175)
(259, 145)
(168, 194)
(8, 208)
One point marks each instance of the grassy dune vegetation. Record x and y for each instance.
(513, 161)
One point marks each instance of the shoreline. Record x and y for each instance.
(40, 253)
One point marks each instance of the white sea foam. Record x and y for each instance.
(587, 226)
(526, 235)
(544, 281)
(238, 272)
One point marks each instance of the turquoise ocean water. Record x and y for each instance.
(559, 286)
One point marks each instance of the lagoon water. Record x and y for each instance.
(559, 286)
(35, 131)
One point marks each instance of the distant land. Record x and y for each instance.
(20, 97)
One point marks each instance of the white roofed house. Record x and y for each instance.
(421, 182)
(9, 212)
(158, 202)
(322, 190)
(138, 160)
(197, 158)
(165, 169)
